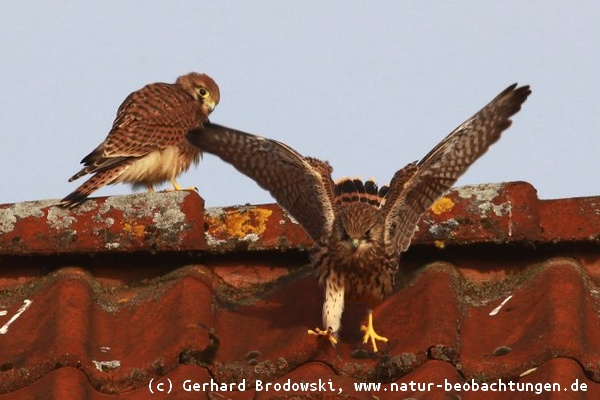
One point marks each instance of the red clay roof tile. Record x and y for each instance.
(121, 224)
(102, 299)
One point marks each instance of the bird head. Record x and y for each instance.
(359, 226)
(202, 88)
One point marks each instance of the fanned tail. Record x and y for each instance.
(355, 190)
(97, 181)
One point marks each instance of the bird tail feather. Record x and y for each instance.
(97, 181)
(355, 190)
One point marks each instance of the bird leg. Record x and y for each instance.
(177, 187)
(370, 333)
(150, 189)
(333, 306)
(328, 333)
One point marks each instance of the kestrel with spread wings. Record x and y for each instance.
(359, 231)
(147, 144)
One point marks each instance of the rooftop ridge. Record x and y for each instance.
(176, 221)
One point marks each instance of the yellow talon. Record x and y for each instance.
(370, 333)
(150, 189)
(328, 333)
(177, 187)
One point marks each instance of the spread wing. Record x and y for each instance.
(414, 188)
(301, 185)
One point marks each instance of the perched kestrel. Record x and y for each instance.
(147, 144)
(359, 230)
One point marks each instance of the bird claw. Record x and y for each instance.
(371, 335)
(328, 333)
(179, 188)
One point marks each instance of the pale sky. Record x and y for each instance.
(368, 86)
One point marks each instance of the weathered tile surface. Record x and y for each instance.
(99, 301)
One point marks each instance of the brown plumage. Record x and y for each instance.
(147, 145)
(358, 230)
(355, 190)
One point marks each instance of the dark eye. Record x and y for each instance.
(203, 92)
(345, 235)
(367, 234)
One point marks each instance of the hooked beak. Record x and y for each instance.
(355, 243)
(210, 105)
